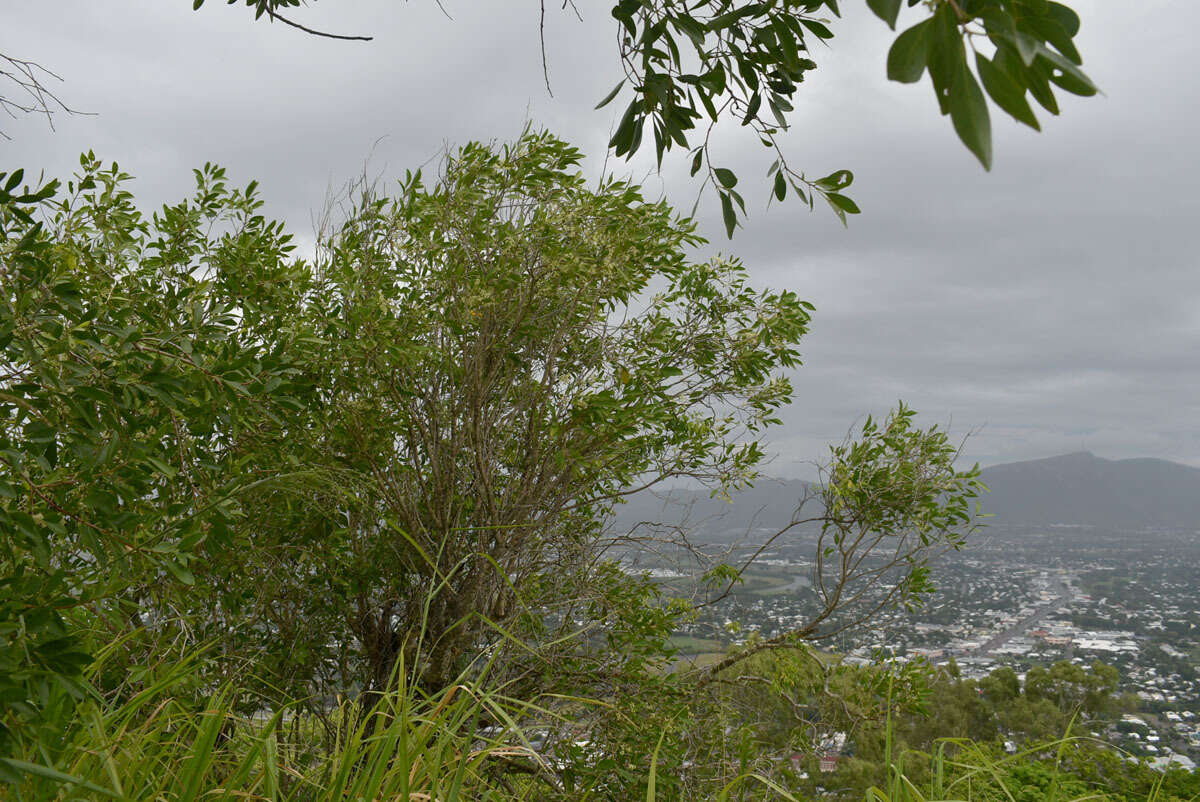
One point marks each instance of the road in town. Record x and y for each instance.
(1063, 595)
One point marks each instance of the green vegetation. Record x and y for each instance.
(284, 529)
(333, 528)
(911, 732)
(686, 644)
(302, 477)
(154, 738)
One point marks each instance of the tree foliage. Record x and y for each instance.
(692, 66)
(128, 372)
(499, 357)
(405, 450)
(890, 501)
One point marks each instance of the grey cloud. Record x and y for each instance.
(1047, 306)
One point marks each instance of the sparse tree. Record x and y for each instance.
(889, 502)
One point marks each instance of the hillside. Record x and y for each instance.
(1073, 489)
(1084, 489)
(768, 505)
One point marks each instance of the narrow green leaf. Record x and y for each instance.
(968, 112)
(45, 772)
(189, 783)
(1007, 93)
(180, 572)
(13, 180)
(622, 138)
(728, 214)
(650, 781)
(818, 29)
(609, 97)
(840, 212)
(1071, 77)
(161, 467)
(1038, 79)
(1054, 34)
(752, 108)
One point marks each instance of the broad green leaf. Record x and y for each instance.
(886, 10)
(910, 53)
(838, 179)
(842, 202)
(947, 54)
(1064, 16)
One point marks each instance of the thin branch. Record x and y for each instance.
(542, 37)
(29, 76)
(276, 16)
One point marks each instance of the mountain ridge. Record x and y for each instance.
(1077, 489)
(1083, 489)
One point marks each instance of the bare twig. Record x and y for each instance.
(542, 37)
(276, 16)
(33, 96)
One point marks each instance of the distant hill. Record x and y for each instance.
(1074, 489)
(1082, 488)
(767, 505)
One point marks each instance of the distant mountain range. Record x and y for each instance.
(1073, 489)
(1084, 489)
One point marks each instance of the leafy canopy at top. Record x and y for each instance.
(691, 65)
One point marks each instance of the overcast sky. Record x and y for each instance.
(1051, 305)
